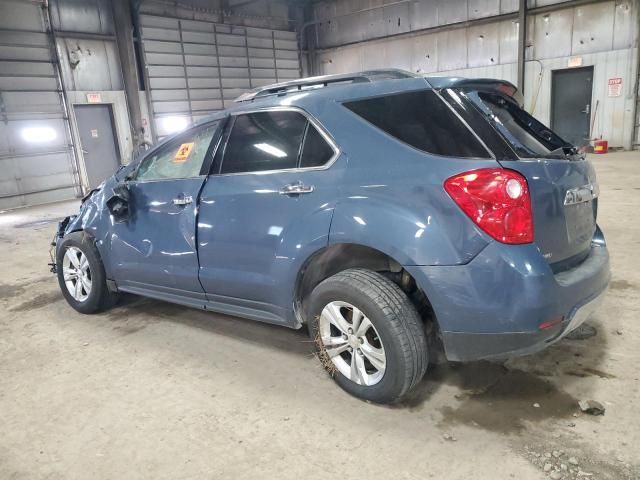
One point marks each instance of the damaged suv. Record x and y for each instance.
(389, 213)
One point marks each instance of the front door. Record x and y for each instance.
(154, 251)
(98, 140)
(571, 107)
(267, 210)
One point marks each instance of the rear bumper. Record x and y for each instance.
(461, 346)
(494, 306)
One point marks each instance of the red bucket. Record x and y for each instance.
(601, 146)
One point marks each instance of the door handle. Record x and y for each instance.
(296, 189)
(183, 200)
(587, 109)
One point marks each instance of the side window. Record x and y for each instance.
(264, 141)
(182, 158)
(316, 151)
(420, 119)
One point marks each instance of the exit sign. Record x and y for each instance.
(94, 98)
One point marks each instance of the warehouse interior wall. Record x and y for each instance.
(37, 161)
(275, 14)
(479, 38)
(91, 69)
(61, 53)
(92, 64)
(197, 60)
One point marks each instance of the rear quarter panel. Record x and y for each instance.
(393, 197)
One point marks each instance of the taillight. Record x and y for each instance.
(497, 200)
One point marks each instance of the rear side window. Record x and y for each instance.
(421, 119)
(316, 151)
(264, 141)
(274, 140)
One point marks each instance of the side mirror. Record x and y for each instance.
(118, 204)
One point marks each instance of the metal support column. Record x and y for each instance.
(122, 16)
(55, 58)
(522, 42)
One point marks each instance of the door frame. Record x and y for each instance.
(121, 129)
(552, 91)
(113, 131)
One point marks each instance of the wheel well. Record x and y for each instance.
(336, 258)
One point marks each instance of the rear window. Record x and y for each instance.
(527, 136)
(420, 119)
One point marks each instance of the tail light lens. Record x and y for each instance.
(497, 200)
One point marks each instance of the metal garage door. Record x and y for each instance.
(36, 162)
(194, 68)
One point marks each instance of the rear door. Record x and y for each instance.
(563, 183)
(154, 251)
(269, 207)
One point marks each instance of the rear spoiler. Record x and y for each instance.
(486, 84)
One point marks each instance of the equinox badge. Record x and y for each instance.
(582, 194)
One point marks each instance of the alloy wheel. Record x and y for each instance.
(352, 343)
(76, 273)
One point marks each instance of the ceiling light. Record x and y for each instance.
(174, 124)
(271, 150)
(38, 134)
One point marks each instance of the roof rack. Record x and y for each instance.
(324, 81)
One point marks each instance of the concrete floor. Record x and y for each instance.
(152, 390)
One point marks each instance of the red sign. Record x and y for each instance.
(615, 86)
(94, 98)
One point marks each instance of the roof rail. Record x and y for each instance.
(323, 81)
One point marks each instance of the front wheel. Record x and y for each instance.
(81, 274)
(368, 335)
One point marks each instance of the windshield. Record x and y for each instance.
(527, 136)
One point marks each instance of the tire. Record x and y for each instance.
(98, 298)
(398, 332)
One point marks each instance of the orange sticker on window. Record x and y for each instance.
(183, 152)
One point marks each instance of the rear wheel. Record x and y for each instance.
(368, 335)
(81, 274)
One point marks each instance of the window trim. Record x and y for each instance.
(466, 124)
(211, 150)
(310, 119)
(401, 142)
(485, 131)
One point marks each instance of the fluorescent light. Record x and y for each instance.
(38, 134)
(271, 150)
(174, 124)
(360, 220)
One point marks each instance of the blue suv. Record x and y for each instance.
(391, 214)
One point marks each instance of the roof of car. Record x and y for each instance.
(311, 83)
(342, 83)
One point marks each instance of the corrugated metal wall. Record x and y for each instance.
(613, 118)
(36, 158)
(90, 63)
(602, 34)
(197, 67)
